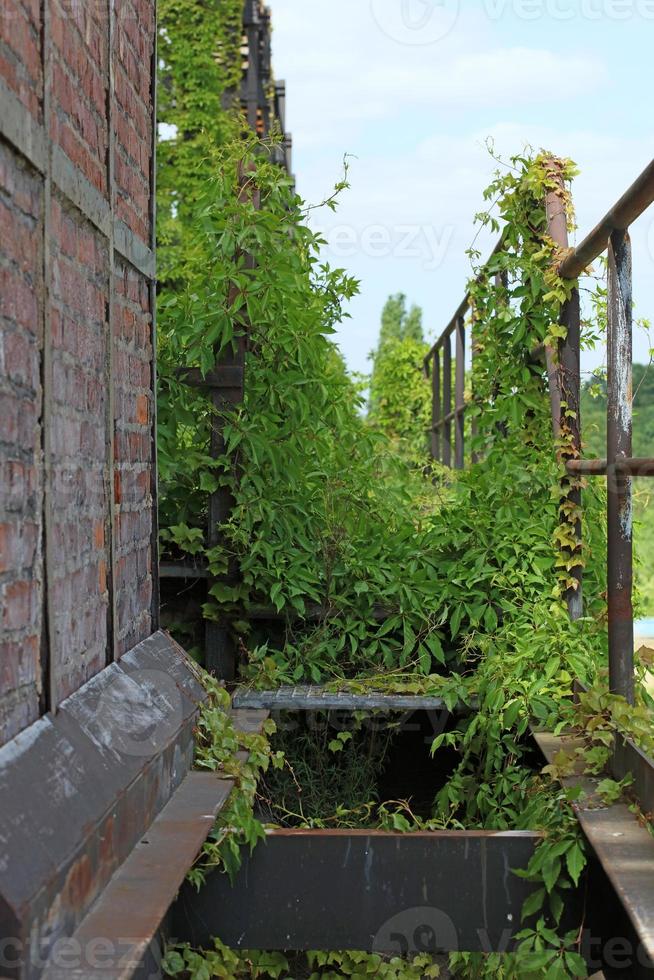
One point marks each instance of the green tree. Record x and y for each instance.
(413, 325)
(392, 318)
(399, 403)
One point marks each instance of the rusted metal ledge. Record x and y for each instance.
(366, 890)
(624, 848)
(121, 929)
(631, 205)
(629, 759)
(80, 788)
(116, 934)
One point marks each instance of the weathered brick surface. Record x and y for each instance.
(21, 566)
(20, 51)
(79, 448)
(134, 34)
(79, 79)
(132, 324)
(84, 472)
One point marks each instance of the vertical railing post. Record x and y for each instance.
(459, 393)
(251, 81)
(447, 401)
(619, 446)
(565, 390)
(474, 428)
(436, 407)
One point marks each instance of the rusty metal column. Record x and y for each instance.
(619, 439)
(436, 407)
(474, 427)
(251, 94)
(459, 394)
(565, 389)
(447, 401)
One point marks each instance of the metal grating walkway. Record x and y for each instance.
(308, 697)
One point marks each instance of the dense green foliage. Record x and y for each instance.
(327, 512)
(199, 73)
(315, 965)
(390, 575)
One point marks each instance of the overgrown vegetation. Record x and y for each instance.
(422, 582)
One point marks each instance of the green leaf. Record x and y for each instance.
(575, 862)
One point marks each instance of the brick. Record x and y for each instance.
(20, 359)
(98, 535)
(8, 419)
(18, 605)
(17, 546)
(102, 577)
(142, 409)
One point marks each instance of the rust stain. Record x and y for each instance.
(79, 883)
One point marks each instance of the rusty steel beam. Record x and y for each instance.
(447, 401)
(623, 846)
(619, 445)
(564, 373)
(631, 205)
(636, 466)
(366, 890)
(436, 406)
(587, 467)
(459, 394)
(116, 934)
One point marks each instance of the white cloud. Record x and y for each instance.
(485, 78)
(417, 118)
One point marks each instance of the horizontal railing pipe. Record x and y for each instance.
(623, 214)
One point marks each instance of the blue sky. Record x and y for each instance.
(412, 89)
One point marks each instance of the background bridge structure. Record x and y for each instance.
(101, 814)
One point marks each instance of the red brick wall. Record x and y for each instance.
(133, 451)
(21, 499)
(76, 579)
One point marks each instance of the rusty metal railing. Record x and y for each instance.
(610, 235)
(440, 365)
